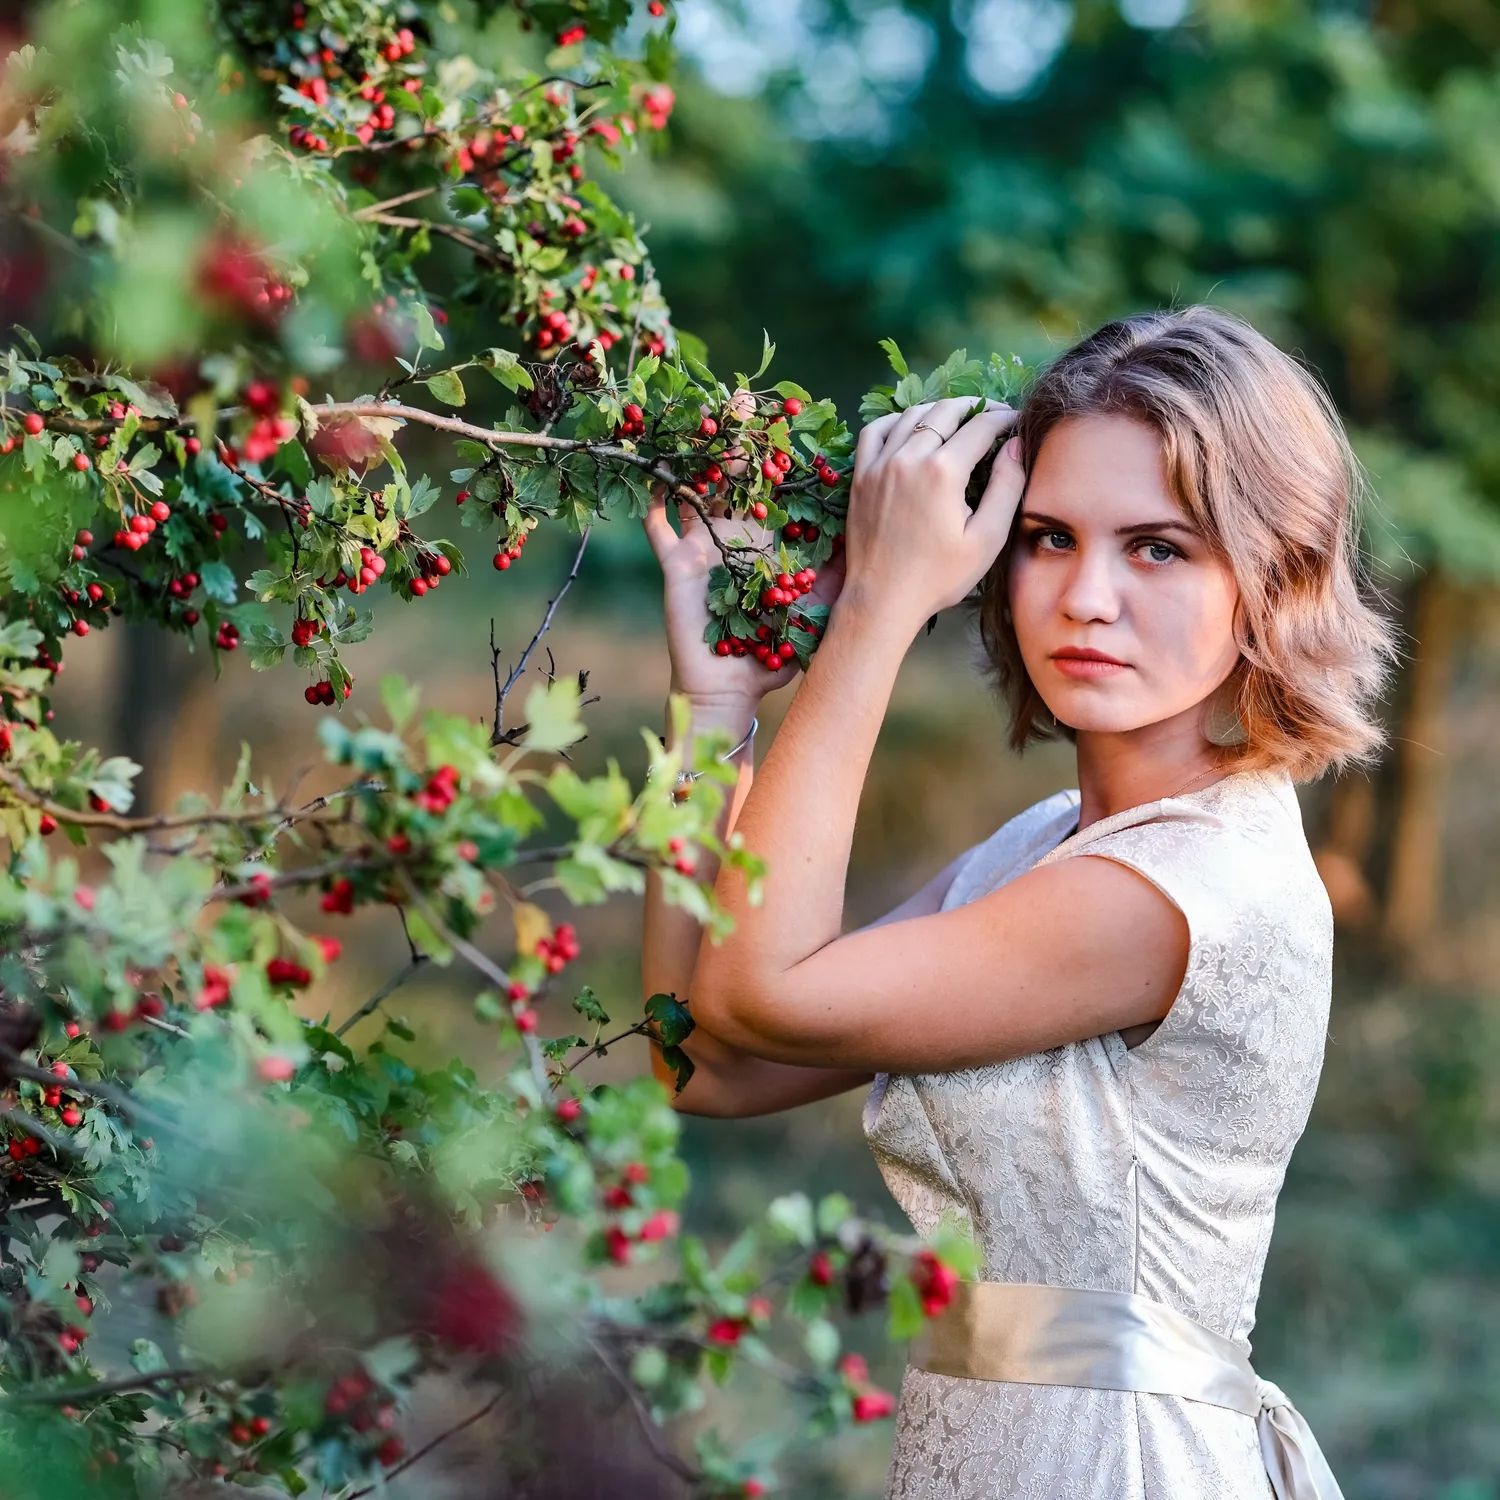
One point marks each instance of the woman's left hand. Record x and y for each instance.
(911, 540)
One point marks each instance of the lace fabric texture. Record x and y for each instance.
(1152, 1169)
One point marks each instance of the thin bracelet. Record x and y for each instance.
(691, 776)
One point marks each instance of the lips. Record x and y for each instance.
(1088, 656)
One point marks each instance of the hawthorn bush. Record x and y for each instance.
(223, 367)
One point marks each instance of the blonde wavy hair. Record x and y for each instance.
(1257, 456)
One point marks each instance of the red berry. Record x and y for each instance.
(160, 510)
(81, 461)
(568, 1110)
(33, 422)
(72, 1115)
(502, 562)
(791, 406)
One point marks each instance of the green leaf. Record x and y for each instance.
(673, 1022)
(427, 334)
(906, 1318)
(897, 359)
(822, 1343)
(791, 1216)
(292, 460)
(447, 387)
(399, 699)
(553, 719)
(586, 1003)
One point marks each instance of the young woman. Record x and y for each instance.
(1100, 1063)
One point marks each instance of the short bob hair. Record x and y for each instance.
(1256, 455)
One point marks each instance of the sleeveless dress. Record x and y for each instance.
(1153, 1169)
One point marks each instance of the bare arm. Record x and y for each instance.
(729, 1083)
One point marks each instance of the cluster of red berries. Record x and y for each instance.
(73, 1334)
(477, 151)
(135, 533)
(657, 102)
(215, 989)
(682, 864)
(371, 566)
(234, 275)
(634, 423)
(271, 429)
(258, 892)
(788, 588)
(338, 899)
(23, 1146)
(619, 1195)
(287, 971)
(304, 628)
(935, 1281)
(242, 1432)
(507, 555)
(869, 1404)
(437, 795)
(33, 422)
(556, 327)
(322, 692)
(353, 1398)
(661, 1225)
(727, 1331)
(401, 45)
(228, 637)
(94, 593)
(560, 949)
(570, 35)
(434, 568)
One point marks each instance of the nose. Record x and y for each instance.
(1089, 590)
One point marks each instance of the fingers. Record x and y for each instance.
(657, 528)
(886, 435)
(973, 440)
(991, 522)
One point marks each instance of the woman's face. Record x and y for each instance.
(1095, 564)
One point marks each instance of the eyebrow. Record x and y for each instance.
(1035, 515)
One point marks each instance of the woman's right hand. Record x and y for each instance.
(686, 557)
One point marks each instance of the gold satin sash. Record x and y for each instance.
(1117, 1341)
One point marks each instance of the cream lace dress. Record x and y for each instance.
(1152, 1170)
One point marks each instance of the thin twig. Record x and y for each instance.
(649, 1429)
(427, 1448)
(491, 970)
(498, 738)
(388, 988)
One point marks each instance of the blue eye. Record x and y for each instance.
(1172, 552)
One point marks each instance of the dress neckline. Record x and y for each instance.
(1143, 811)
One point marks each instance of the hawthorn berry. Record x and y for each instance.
(568, 1110)
(33, 422)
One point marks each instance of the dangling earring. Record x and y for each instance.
(1223, 726)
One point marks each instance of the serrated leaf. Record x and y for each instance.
(447, 387)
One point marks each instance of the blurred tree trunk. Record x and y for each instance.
(166, 715)
(1414, 878)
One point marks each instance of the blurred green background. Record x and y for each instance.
(1007, 174)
